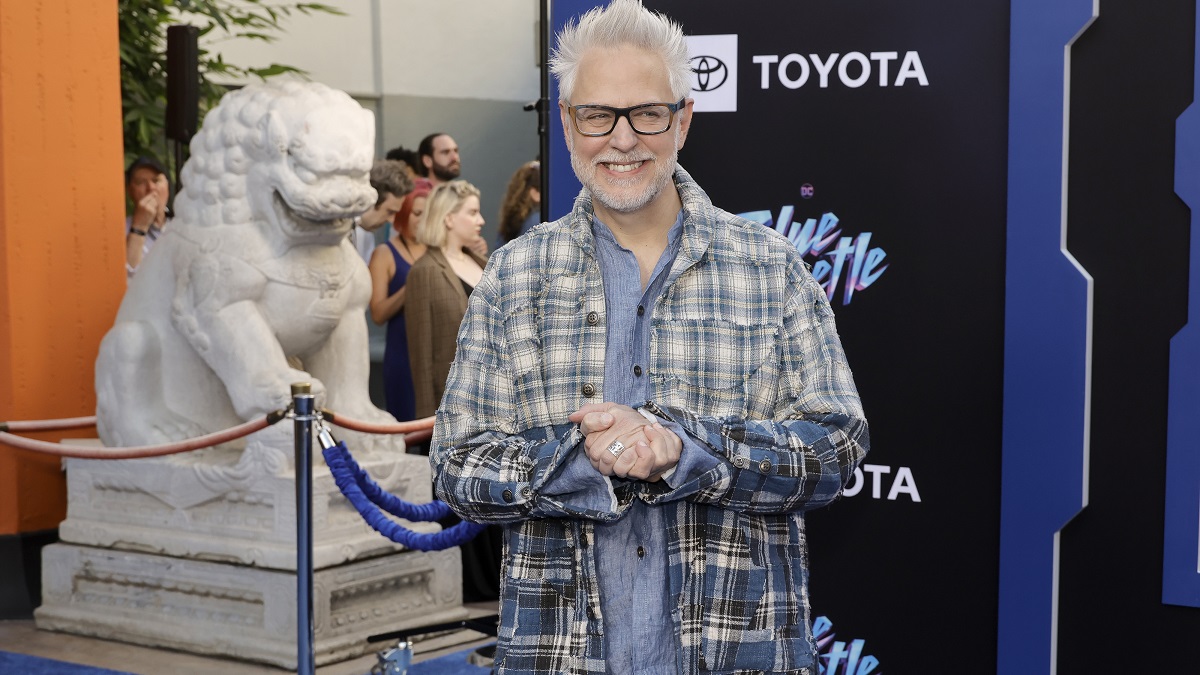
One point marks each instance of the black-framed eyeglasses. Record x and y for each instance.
(646, 119)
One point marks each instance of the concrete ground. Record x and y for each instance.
(22, 637)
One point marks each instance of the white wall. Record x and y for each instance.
(470, 49)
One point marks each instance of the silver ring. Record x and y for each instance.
(616, 448)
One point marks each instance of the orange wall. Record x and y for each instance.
(61, 213)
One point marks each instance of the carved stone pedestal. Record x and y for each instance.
(197, 552)
(243, 612)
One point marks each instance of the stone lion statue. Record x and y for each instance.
(254, 279)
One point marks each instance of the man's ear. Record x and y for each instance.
(565, 115)
(427, 161)
(685, 121)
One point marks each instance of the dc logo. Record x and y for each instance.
(710, 73)
(807, 191)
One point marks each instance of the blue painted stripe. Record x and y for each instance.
(1046, 340)
(564, 186)
(1181, 548)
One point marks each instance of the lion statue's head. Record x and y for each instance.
(290, 156)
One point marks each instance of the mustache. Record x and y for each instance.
(618, 159)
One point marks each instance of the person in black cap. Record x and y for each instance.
(149, 189)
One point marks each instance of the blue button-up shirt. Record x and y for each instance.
(632, 552)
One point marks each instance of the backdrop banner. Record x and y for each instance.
(920, 165)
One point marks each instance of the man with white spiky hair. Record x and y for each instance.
(647, 394)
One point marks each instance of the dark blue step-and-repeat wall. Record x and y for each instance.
(995, 195)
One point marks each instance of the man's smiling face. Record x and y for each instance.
(625, 171)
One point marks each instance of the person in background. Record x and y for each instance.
(149, 190)
(391, 182)
(648, 395)
(439, 284)
(409, 157)
(521, 209)
(439, 161)
(390, 264)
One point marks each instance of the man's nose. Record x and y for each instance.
(623, 137)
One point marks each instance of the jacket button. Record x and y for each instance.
(593, 318)
(588, 389)
(637, 370)
(641, 310)
(507, 494)
(765, 466)
(641, 552)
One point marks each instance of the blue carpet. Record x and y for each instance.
(450, 664)
(20, 664)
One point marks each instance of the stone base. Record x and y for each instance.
(231, 505)
(243, 612)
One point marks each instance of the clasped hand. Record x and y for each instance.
(649, 449)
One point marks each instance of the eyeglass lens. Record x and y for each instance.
(646, 119)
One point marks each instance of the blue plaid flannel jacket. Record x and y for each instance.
(744, 355)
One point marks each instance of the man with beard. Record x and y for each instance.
(647, 394)
(439, 162)
(438, 155)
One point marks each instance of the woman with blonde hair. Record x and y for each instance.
(390, 265)
(521, 209)
(438, 286)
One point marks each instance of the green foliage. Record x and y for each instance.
(143, 45)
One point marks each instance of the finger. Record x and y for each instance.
(635, 449)
(674, 442)
(594, 422)
(663, 452)
(578, 415)
(611, 450)
(642, 460)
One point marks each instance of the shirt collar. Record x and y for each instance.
(601, 230)
(698, 219)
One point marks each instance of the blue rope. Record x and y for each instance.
(430, 512)
(367, 497)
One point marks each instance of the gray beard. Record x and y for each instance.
(625, 202)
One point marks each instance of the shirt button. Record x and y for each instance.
(526, 492)
(641, 310)
(588, 389)
(765, 466)
(637, 370)
(507, 494)
(593, 318)
(641, 552)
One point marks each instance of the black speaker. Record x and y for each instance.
(183, 82)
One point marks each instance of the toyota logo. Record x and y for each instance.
(710, 73)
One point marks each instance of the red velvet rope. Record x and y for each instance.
(49, 425)
(101, 452)
(421, 425)
(416, 431)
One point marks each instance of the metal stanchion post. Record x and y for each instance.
(303, 405)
